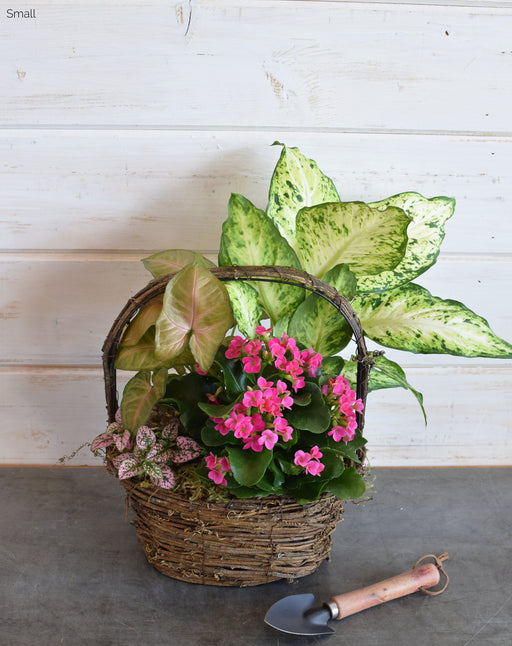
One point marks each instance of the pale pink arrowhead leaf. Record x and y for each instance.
(196, 313)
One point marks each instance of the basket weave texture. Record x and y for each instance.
(235, 542)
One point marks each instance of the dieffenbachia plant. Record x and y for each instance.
(370, 253)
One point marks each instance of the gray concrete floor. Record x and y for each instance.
(72, 571)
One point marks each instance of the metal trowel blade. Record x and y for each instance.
(298, 616)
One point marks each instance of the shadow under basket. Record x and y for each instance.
(235, 542)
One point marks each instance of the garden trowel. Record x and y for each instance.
(298, 615)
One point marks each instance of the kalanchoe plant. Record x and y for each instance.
(182, 345)
(277, 423)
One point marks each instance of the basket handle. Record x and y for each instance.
(284, 275)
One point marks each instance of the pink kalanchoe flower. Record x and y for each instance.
(252, 348)
(199, 370)
(235, 347)
(282, 427)
(339, 433)
(277, 349)
(263, 383)
(251, 364)
(310, 461)
(298, 383)
(314, 468)
(253, 444)
(243, 427)
(312, 361)
(220, 425)
(268, 439)
(301, 458)
(316, 453)
(218, 467)
(217, 477)
(224, 464)
(253, 398)
(261, 330)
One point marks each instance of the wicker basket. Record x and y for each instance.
(235, 542)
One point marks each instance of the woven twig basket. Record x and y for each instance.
(235, 542)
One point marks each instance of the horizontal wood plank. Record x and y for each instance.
(154, 190)
(48, 414)
(341, 65)
(58, 311)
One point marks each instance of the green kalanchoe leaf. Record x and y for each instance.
(246, 309)
(171, 261)
(368, 240)
(139, 397)
(425, 233)
(317, 324)
(248, 466)
(296, 182)
(348, 485)
(315, 416)
(410, 318)
(349, 450)
(196, 313)
(183, 393)
(250, 238)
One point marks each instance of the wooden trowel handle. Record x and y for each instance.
(401, 585)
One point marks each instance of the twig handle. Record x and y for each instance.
(401, 585)
(284, 275)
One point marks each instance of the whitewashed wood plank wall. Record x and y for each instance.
(125, 125)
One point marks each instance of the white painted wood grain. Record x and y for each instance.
(153, 190)
(266, 64)
(48, 414)
(58, 311)
(469, 419)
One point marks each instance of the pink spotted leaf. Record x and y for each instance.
(128, 468)
(167, 480)
(102, 441)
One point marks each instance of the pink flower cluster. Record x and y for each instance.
(258, 419)
(344, 406)
(310, 461)
(282, 353)
(218, 467)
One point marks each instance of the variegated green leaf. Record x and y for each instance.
(425, 233)
(171, 261)
(296, 182)
(368, 240)
(139, 396)
(250, 238)
(281, 326)
(317, 323)
(384, 374)
(410, 318)
(196, 313)
(247, 311)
